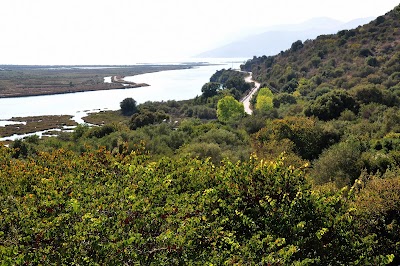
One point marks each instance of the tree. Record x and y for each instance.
(283, 98)
(297, 45)
(228, 109)
(210, 89)
(128, 106)
(238, 83)
(264, 99)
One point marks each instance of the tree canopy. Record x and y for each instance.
(264, 99)
(128, 106)
(229, 109)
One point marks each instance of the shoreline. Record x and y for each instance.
(68, 92)
(33, 94)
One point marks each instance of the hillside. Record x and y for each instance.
(272, 40)
(368, 55)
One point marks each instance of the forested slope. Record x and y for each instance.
(368, 55)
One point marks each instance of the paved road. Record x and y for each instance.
(247, 98)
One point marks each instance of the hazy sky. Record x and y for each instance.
(129, 31)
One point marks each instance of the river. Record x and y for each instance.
(164, 85)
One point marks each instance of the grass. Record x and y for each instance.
(36, 123)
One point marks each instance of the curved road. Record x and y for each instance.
(247, 98)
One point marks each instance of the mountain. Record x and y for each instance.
(368, 55)
(274, 39)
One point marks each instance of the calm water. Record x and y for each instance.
(165, 85)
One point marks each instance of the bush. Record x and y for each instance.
(100, 209)
(365, 52)
(146, 118)
(308, 137)
(372, 61)
(378, 203)
(369, 93)
(297, 45)
(99, 132)
(331, 105)
(340, 164)
(201, 111)
(283, 98)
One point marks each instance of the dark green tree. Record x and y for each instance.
(283, 98)
(331, 105)
(128, 106)
(297, 45)
(210, 89)
(147, 118)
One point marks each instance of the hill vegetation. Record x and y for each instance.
(363, 59)
(312, 177)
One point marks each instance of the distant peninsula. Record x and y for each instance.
(26, 80)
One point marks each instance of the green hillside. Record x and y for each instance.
(368, 55)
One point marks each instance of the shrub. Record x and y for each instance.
(340, 164)
(308, 137)
(331, 105)
(372, 61)
(283, 98)
(100, 132)
(146, 118)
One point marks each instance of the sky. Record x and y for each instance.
(133, 31)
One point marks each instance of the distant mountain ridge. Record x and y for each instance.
(274, 39)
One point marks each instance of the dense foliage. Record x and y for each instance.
(96, 208)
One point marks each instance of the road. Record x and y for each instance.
(247, 98)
